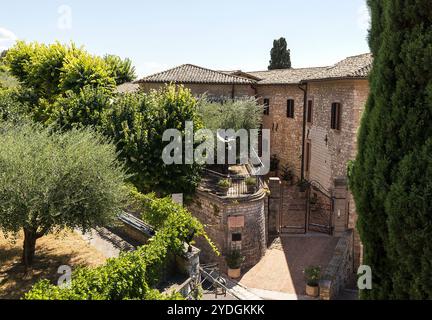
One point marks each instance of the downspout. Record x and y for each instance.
(233, 92)
(303, 87)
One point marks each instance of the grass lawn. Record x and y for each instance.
(52, 251)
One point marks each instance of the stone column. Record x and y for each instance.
(275, 206)
(340, 214)
(188, 262)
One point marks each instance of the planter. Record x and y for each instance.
(234, 273)
(224, 191)
(251, 189)
(312, 291)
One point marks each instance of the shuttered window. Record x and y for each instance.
(290, 108)
(335, 116)
(309, 111)
(267, 106)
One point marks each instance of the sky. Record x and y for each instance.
(220, 35)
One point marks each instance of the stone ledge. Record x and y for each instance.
(337, 271)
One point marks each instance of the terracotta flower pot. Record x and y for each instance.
(312, 291)
(234, 273)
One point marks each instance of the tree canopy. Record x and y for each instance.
(391, 176)
(50, 181)
(280, 55)
(52, 70)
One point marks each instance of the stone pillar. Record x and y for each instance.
(188, 263)
(340, 214)
(275, 206)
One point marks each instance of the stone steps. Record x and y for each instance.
(239, 291)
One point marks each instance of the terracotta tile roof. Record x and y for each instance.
(351, 67)
(285, 76)
(128, 87)
(188, 73)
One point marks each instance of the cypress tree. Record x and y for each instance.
(391, 178)
(280, 55)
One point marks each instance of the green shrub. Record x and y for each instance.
(312, 275)
(234, 259)
(134, 274)
(224, 183)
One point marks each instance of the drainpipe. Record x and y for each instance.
(303, 87)
(233, 92)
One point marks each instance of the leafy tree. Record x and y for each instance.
(133, 275)
(280, 55)
(52, 70)
(82, 69)
(50, 181)
(85, 108)
(11, 108)
(232, 114)
(392, 173)
(121, 70)
(137, 123)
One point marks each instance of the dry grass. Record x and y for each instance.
(52, 251)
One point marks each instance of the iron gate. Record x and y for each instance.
(319, 209)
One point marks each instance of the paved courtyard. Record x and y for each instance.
(280, 272)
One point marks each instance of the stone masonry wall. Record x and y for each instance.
(338, 271)
(286, 133)
(212, 90)
(215, 213)
(332, 149)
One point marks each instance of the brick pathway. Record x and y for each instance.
(281, 269)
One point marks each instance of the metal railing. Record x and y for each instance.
(239, 185)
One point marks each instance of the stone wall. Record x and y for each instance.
(286, 133)
(224, 217)
(332, 149)
(212, 90)
(339, 270)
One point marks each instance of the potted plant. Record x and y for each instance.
(287, 174)
(303, 185)
(234, 260)
(224, 185)
(312, 277)
(251, 183)
(314, 199)
(274, 165)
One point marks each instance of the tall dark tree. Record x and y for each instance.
(392, 173)
(280, 55)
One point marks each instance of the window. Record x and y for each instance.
(335, 116)
(290, 108)
(236, 237)
(309, 111)
(266, 107)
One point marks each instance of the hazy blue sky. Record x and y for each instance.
(235, 34)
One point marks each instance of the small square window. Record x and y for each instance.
(290, 108)
(235, 237)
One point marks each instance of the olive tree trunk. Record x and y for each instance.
(29, 247)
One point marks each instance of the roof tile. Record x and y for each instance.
(188, 73)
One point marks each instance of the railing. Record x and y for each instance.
(238, 185)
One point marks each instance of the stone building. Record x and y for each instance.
(313, 115)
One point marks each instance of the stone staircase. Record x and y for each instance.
(239, 291)
(293, 209)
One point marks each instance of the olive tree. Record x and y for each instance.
(50, 181)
